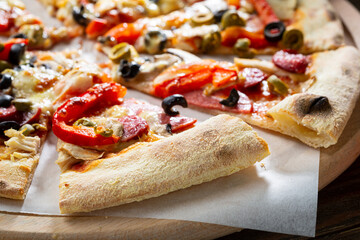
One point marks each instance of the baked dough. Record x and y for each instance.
(218, 147)
(337, 75)
(321, 26)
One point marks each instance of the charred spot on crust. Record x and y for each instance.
(3, 185)
(319, 104)
(338, 39)
(331, 15)
(312, 104)
(347, 72)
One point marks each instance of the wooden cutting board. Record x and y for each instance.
(333, 161)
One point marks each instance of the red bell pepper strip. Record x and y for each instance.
(4, 54)
(265, 11)
(126, 32)
(188, 77)
(231, 34)
(96, 27)
(101, 95)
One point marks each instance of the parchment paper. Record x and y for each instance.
(279, 194)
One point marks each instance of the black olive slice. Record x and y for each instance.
(232, 100)
(19, 35)
(79, 15)
(274, 31)
(5, 101)
(171, 101)
(16, 53)
(128, 69)
(319, 104)
(155, 41)
(168, 128)
(7, 125)
(6, 81)
(218, 15)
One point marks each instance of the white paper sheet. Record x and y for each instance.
(279, 194)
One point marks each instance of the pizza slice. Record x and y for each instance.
(16, 22)
(114, 151)
(96, 17)
(244, 28)
(30, 88)
(307, 97)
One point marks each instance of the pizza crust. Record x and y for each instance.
(337, 76)
(218, 147)
(15, 177)
(321, 26)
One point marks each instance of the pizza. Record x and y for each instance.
(96, 17)
(114, 151)
(244, 28)
(32, 84)
(16, 22)
(308, 97)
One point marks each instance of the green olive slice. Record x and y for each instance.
(202, 19)
(105, 132)
(84, 122)
(22, 105)
(242, 44)
(210, 42)
(4, 65)
(120, 51)
(277, 86)
(2, 47)
(232, 18)
(27, 129)
(39, 127)
(293, 39)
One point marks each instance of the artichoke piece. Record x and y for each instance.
(35, 34)
(277, 86)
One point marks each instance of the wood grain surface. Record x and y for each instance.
(338, 211)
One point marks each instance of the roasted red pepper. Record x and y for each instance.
(188, 77)
(97, 97)
(96, 27)
(126, 32)
(4, 54)
(231, 34)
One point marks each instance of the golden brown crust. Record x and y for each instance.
(15, 177)
(218, 147)
(317, 116)
(327, 105)
(321, 27)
